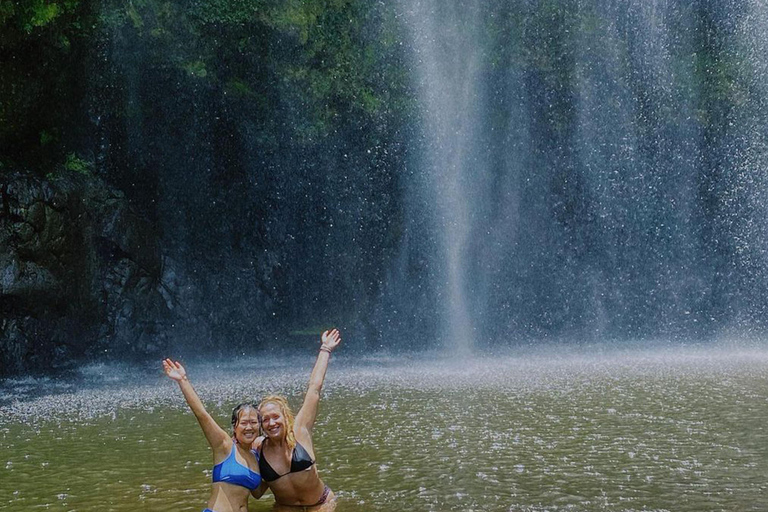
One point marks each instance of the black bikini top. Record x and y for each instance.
(300, 460)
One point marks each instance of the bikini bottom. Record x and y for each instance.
(324, 497)
(321, 501)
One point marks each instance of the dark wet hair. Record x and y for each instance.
(237, 410)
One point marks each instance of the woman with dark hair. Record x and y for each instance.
(236, 467)
(287, 457)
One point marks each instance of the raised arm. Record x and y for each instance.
(217, 438)
(305, 419)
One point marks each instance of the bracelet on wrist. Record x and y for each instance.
(325, 349)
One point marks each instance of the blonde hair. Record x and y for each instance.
(285, 410)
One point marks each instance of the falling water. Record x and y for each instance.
(593, 169)
(446, 45)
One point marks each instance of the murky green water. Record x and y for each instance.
(683, 430)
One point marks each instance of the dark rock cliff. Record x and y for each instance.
(80, 273)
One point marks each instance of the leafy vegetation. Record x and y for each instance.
(283, 130)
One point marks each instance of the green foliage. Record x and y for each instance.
(78, 165)
(134, 16)
(42, 42)
(320, 64)
(42, 14)
(196, 68)
(35, 14)
(239, 87)
(72, 163)
(7, 10)
(227, 11)
(46, 138)
(333, 64)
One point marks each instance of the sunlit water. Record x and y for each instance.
(677, 430)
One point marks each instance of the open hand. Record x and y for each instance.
(174, 370)
(331, 339)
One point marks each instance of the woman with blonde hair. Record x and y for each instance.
(287, 457)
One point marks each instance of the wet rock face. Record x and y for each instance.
(80, 273)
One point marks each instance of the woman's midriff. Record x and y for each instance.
(328, 506)
(298, 490)
(228, 498)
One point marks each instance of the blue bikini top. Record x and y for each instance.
(232, 472)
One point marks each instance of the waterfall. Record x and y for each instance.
(592, 169)
(447, 51)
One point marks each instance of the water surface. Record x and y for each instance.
(679, 430)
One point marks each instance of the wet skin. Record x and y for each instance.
(302, 488)
(225, 497)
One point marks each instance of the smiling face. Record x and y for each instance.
(273, 421)
(247, 425)
(277, 419)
